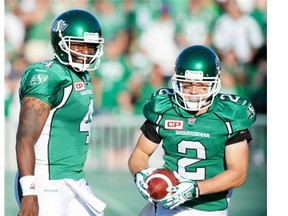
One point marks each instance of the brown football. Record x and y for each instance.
(158, 181)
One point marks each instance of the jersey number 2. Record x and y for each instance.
(183, 147)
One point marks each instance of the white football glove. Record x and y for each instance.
(184, 191)
(140, 181)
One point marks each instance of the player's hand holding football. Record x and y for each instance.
(140, 181)
(184, 191)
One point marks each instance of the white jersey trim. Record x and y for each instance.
(41, 146)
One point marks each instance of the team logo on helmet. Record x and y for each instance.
(59, 25)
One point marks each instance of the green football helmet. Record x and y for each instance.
(196, 64)
(81, 27)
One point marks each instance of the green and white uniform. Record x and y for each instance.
(194, 146)
(61, 149)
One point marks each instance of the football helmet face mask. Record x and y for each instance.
(196, 65)
(81, 27)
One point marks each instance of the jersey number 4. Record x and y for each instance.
(85, 125)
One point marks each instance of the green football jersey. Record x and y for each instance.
(61, 149)
(193, 145)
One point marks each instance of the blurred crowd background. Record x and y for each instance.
(142, 40)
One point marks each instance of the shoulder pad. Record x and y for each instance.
(43, 79)
(235, 110)
(159, 102)
(162, 91)
(42, 72)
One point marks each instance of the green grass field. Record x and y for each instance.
(117, 189)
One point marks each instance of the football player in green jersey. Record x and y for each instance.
(204, 134)
(55, 117)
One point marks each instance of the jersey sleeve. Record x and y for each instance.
(150, 132)
(158, 103)
(244, 117)
(43, 83)
(237, 113)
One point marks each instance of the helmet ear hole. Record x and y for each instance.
(62, 45)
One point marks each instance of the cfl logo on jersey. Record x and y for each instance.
(79, 86)
(173, 125)
(191, 121)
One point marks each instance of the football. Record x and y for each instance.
(158, 181)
